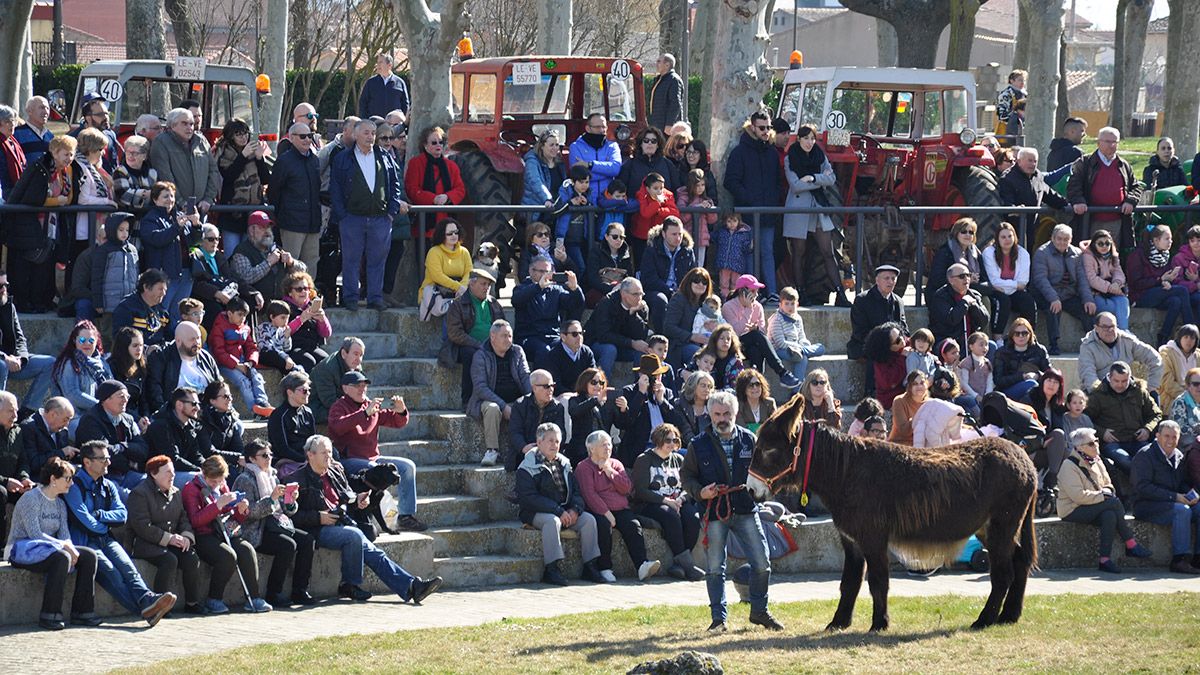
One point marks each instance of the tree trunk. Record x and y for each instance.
(1045, 30)
(14, 43)
(56, 39)
(1064, 95)
(554, 21)
(918, 25)
(1021, 45)
(275, 67)
(886, 43)
(1181, 108)
(670, 27)
(1129, 42)
(187, 38)
(701, 36)
(962, 33)
(740, 77)
(298, 34)
(145, 36)
(431, 37)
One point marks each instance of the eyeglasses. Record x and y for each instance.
(436, 142)
(224, 396)
(212, 239)
(966, 275)
(763, 128)
(268, 455)
(301, 288)
(821, 383)
(86, 340)
(674, 440)
(649, 141)
(304, 135)
(103, 459)
(970, 232)
(1106, 326)
(384, 138)
(1023, 333)
(545, 386)
(1102, 243)
(598, 383)
(451, 233)
(574, 333)
(194, 404)
(614, 237)
(541, 234)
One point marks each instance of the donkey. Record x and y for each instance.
(922, 502)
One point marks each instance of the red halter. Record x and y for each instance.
(770, 482)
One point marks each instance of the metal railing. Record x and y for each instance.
(94, 211)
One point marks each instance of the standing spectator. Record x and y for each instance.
(1007, 264)
(47, 181)
(1124, 413)
(695, 156)
(1161, 496)
(648, 158)
(1060, 284)
(539, 242)
(620, 325)
(242, 162)
(167, 233)
(1104, 179)
(143, 309)
(543, 172)
(95, 189)
(1102, 267)
(745, 314)
(447, 267)
(364, 187)
(542, 306)
(785, 330)
(259, 262)
(809, 173)
(183, 157)
(80, 368)
(1154, 283)
(1024, 185)
(1164, 170)
(956, 310)
(16, 363)
(658, 494)
(606, 489)
(327, 375)
(114, 267)
(734, 244)
(292, 423)
(568, 358)
(467, 323)
(666, 95)
(607, 264)
(180, 363)
(1020, 361)
(383, 92)
(680, 315)
(694, 192)
(304, 113)
(12, 157)
(107, 421)
(127, 361)
(1008, 103)
(499, 376)
(527, 413)
(148, 126)
(1064, 149)
(975, 369)
(1106, 344)
(570, 229)
(134, 177)
(666, 262)
(752, 175)
(34, 135)
(602, 156)
(430, 179)
(95, 116)
(1178, 357)
(236, 352)
(294, 190)
(161, 533)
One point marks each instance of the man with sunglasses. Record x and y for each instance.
(175, 431)
(303, 113)
(956, 310)
(570, 357)
(1106, 344)
(753, 175)
(529, 412)
(295, 192)
(95, 116)
(542, 305)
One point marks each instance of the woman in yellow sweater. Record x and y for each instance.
(447, 270)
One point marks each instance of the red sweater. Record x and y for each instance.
(601, 493)
(200, 503)
(1108, 189)
(232, 344)
(889, 379)
(355, 434)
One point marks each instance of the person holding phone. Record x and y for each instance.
(542, 304)
(167, 232)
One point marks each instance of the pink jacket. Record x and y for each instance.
(1104, 276)
(738, 316)
(601, 493)
(703, 221)
(937, 423)
(1183, 259)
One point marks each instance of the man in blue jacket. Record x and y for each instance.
(1161, 495)
(752, 175)
(295, 192)
(719, 460)
(94, 506)
(602, 156)
(542, 306)
(383, 92)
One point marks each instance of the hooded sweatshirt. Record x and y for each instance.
(115, 265)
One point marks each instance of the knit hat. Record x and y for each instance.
(109, 387)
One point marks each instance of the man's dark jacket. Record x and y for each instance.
(128, 448)
(380, 98)
(666, 100)
(612, 324)
(186, 444)
(522, 426)
(162, 372)
(295, 191)
(706, 463)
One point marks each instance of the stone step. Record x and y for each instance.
(414, 337)
(346, 322)
(488, 570)
(441, 478)
(467, 540)
(446, 425)
(378, 345)
(421, 451)
(451, 509)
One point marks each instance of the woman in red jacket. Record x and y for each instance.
(431, 180)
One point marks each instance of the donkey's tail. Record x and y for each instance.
(1026, 552)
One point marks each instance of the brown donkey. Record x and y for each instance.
(921, 502)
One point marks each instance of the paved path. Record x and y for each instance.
(26, 649)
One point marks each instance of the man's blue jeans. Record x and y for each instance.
(1175, 303)
(1118, 305)
(749, 531)
(406, 489)
(356, 550)
(177, 289)
(369, 237)
(1122, 453)
(1184, 521)
(36, 369)
(607, 355)
(799, 366)
(117, 575)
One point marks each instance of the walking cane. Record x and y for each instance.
(236, 565)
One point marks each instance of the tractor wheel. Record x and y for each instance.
(487, 186)
(977, 187)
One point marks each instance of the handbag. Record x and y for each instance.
(435, 301)
(33, 551)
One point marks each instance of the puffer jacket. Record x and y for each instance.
(161, 242)
(1175, 365)
(1007, 364)
(1184, 258)
(541, 182)
(1104, 276)
(232, 344)
(933, 425)
(1095, 357)
(483, 377)
(1081, 482)
(536, 491)
(262, 506)
(1123, 413)
(1168, 176)
(115, 267)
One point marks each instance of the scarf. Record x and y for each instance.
(595, 141)
(430, 180)
(210, 261)
(1157, 257)
(805, 163)
(92, 367)
(970, 258)
(266, 482)
(247, 188)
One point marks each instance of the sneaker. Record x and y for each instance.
(772, 298)
(262, 410)
(423, 588)
(410, 523)
(1138, 551)
(788, 380)
(765, 620)
(159, 608)
(609, 576)
(257, 606)
(718, 626)
(303, 598)
(1109, 566)
(212, 606)
(648, 569)
(490, 457)
(353, 592)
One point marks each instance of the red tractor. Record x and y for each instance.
(896, 137)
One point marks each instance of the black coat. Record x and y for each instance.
(598, 258)
(1016, 189)
(587, 415)
(224, 432)
(127, 455)
(206, 284)
(950, 317)
(523, 424)
(12, 337)
(1007, 364)
(163, 373)
(635, 169)
(186, 445)
(295, 191)
(870, 310)
(666, 105)
(1062, 153)
(1168, 176)
(635, 424)
(288, 429)
(564, 370)
(25, 231)
(657, 264)
(611, 323)
(752, 173)
(40, 445)
(310, 502)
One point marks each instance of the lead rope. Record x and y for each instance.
(812, 437)
(720, 506)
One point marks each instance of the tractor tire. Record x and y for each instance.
(978, 187)
(487, 186)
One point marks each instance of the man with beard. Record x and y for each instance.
(180, 363)
(95, 116)
(176, 433)
(258, 260)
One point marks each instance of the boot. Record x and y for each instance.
(840, 299)
(1181, 565)
(690, 571)
(553, 576)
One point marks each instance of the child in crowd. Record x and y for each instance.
(115, 264)
(700, 224)
(734, 248)
(571, 226)
(659, 344)
(948, 357)
(708, 317)
(974, 370)
(1075, 417)
(866, 409)
(920, 357)
(785, 331)
(275, 340)
(655, 203)
(191, 309)
(703, 363)
(616, 204)
(236, 352)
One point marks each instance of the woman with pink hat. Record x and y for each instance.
(745, 314)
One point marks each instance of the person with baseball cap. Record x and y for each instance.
(259, 261)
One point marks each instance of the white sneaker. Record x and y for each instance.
(648, 569)
(608, 576)
(490, 457)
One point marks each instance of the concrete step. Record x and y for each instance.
(488, 570)
(446, 425)
(422, 452)
(414, 337)
(451, 509)
(415, 371)
(346, 322)
(467, 540)
(379, 345)
(441, 478)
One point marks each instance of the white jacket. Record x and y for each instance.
(937, 423)
(1006, 286)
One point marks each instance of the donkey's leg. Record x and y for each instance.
(1000, 551)
(876, 555)
(852, 577)
(1023, 558)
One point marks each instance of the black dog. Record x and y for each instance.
(375, 480)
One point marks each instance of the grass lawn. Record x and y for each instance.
(1100, 633)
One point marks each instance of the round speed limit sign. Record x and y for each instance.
(111, 90)
(620, 69)
(836, 119)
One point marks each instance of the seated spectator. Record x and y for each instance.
(1188, 260)
(1007, 265)
(745, 314)
(1060, 284)
(666, 261)
(658, 494)
(467, 324)
(959, 249)
(939, 420)
(180, 363)
(550, 500)
(975, 369)
(1102, 267)
(292, 423)
(236, 353)
(785, 330)
(956, 309)
(542, 306)
(920, 356)
(607, 264)
(755, 404)
(14, 477)
(95, 508)
(354, 422)
(44, 434)
(309, 326)
(221, 427)
(134, 177)
(1020, 361)
(114, 267)
(1086, 495)
(642, 406)
(40, 515)
(821, 402)
(679, 318)
(865, 410)
(620, 325)
(327, 376)
(875, 427)
(693, 406)
(539, 242)
(269, 528)
(77, 301)
(499, 376)
(1178, 357)
(948, 357)
(1075, 417)
(108, 421)
(259, 262)
(16, 363)
(695, 193)
(191, 309)
(431, 180)
(1124, 413)
(175, 432)
(1105, 344)
(1048, 400)
(606, 489)
(144, 310)
(885, 349)
(659, 346)
(873, 308)
(324, 496)
(212, 277)
(726, 350)
(568, 358)
(211, 506)
(447, 268)
(167, 230)
(907, 405)
(242, 163)
(590, 409)
(1161, 496)
(1154, 283)
(80, 367)
(161, 533)
(127, 361)
(528, 412)
(275, 339)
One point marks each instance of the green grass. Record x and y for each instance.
(1150, 633)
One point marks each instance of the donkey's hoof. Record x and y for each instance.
(980, 624)
(836, 625)
(1008, 619)
(879, 627)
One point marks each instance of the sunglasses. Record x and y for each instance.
(312, 116)
(4, 285)
(970, 232)
(820, 382)
(962, 276)
(194, 404)
(766, 128)
(1102, 243)
(212, 239)
(541, 234)
(268, 455)
(451, 233)
(305, 389)
(758, 385)
(598, 383)
(674, 440)
(649, 141)
(545, 386)
(574, 333)
(1194, 384)
(86, 340)
(301, 288)
(1020, 332)
(309, 136)
(384, 138)
(614, 237)
(436, 143)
